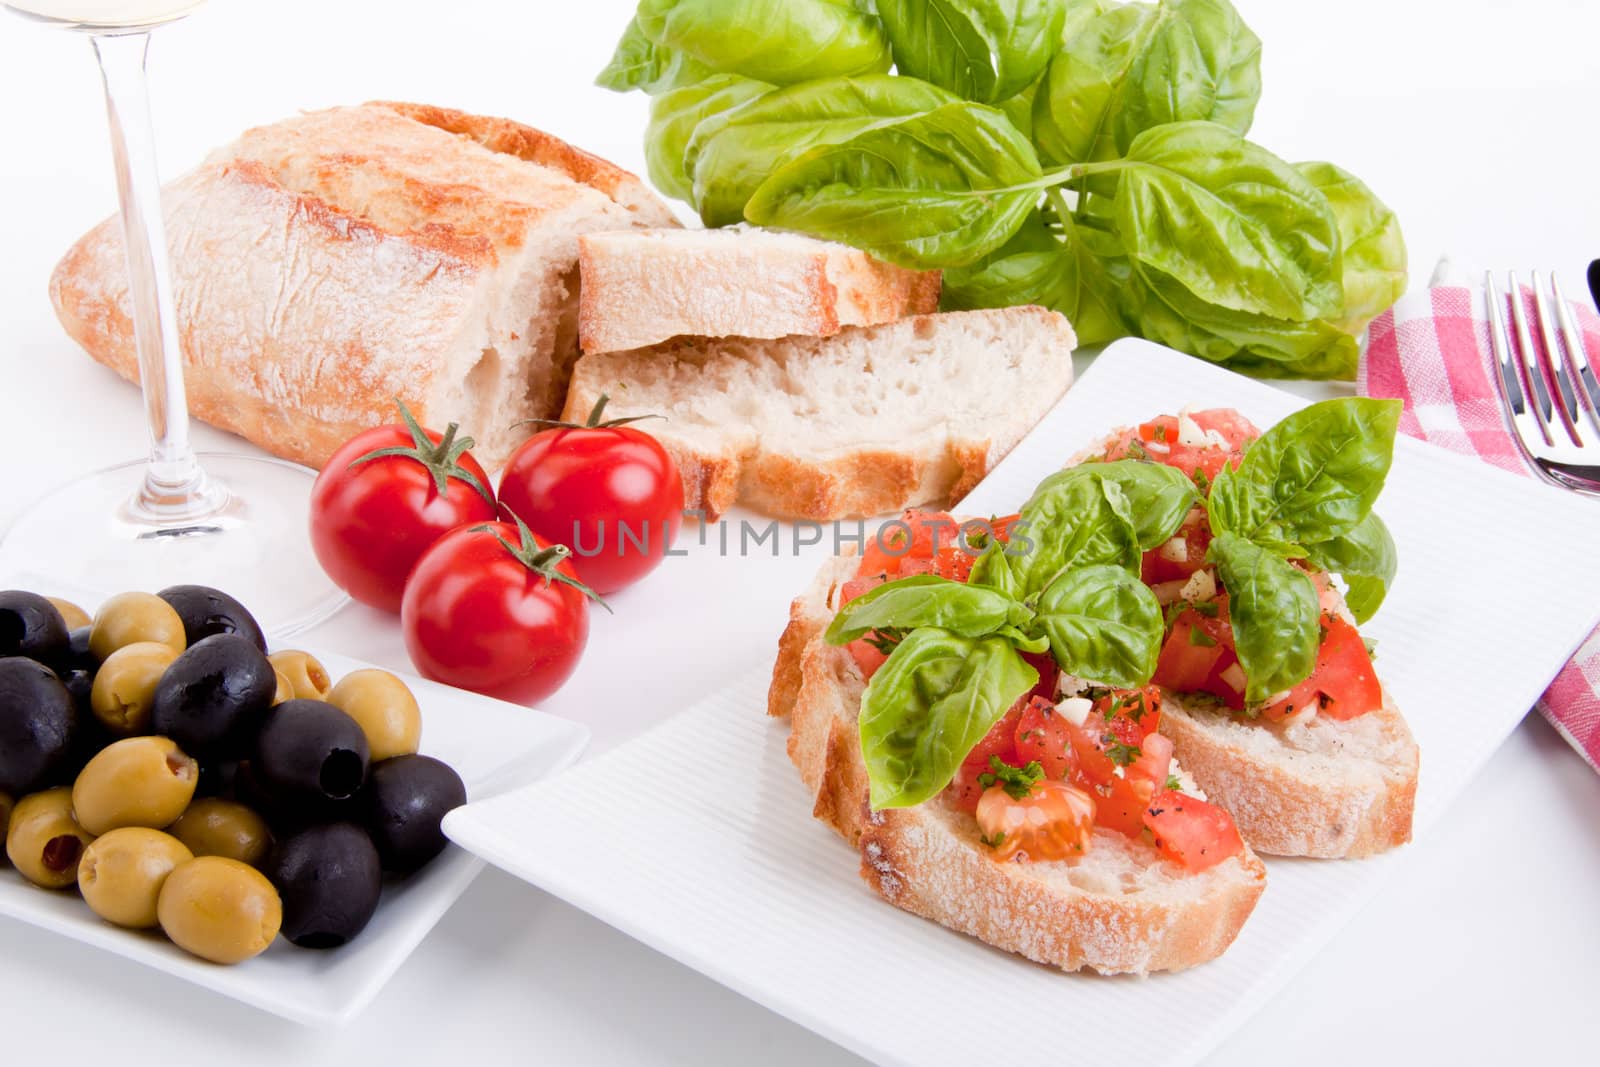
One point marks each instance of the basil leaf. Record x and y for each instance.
(1200, 62)
(923, 600)
(1310, 478)
(1039, 267)
(1164, 311)
(675, 115)
(933, 190)
(1366, 558)
(1134, 67)
(1104, 625)
(1229, 221)
(731, 154)
(777, 41)
(1157, 497)
(993, 570)
(928, 705)
(985, 50)
(1274, 610)
(1374, 251)
(640, 63)
(1077, 522)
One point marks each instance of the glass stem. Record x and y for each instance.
(175, 489)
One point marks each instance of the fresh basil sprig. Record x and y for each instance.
(1304, 490)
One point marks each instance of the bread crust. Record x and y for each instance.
(1285, 808)
(329, 264)
(642, 288)
(927, 860)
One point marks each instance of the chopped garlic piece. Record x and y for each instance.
(1075, 709)
(1176, 550)
(1200, 587)
(1234, 676)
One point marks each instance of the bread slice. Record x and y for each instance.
(1322, 788)
(1119, 909)
(327, 264)
(642, 287)
(870, 420)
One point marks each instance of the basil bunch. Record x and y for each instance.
(1081, 154)
(1304, 490)
(1070, 587)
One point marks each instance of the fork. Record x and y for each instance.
(1549, 391)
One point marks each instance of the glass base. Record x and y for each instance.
(89, 540)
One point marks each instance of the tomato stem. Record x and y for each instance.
(592, 422)
(545, 562)
(443, 460)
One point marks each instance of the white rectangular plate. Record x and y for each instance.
(705, 848)
(492, 745)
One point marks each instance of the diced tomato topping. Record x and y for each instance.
(1128, 715)
(915, 536)
(1089, 751)
(1192, 832)
(1002, 527)
(1001, 740)
(1042, 736)
(1181, 555)
(1053, 822)
(1343, 684)
(953, 562)
(1154, 762)
(1198, 656)
(1158, 440)
(866, 654)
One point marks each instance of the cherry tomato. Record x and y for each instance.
(1343, 684)
(386, 496)
(607, 490)
(1192, 832)
(497, 610)
(1053, 822)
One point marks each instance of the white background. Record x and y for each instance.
(1471, 118)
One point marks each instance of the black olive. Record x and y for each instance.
(212, 698)
(217, 778)
(79, 658)
(329, 879)
(310, 752)
(39, 726)
(80, 683)
(406, 799)
(31, 626)
(206, 611)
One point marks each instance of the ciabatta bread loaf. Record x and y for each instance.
(327, 264)
(642, 287)
(870, 420)
(1119, 909)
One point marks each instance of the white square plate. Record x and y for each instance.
(705, 849)
(492, 745)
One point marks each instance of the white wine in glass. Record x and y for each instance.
(239, 521)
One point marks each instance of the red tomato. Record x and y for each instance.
(496, 610)
(1120, 804)
(911, 538)
(1128, 715)
(1001, 741)
(1158, 440)
(1042, 736)
(1198, 656)
(608, 491)
(867, 655)
(1192, 832)
(1089, 752)
(1054, 821)
(1343, 683)
(1154, 762)
(373, 518)
(1181, 555)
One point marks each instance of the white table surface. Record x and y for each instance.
(1470, 121)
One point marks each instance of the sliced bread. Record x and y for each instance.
(324, 265)
(870, 420)
(1119, 909)
(641, 287)
(1323, 788)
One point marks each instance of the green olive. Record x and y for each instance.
(309, 678)
(71, 614)
(219, 909)
(122, 872)
(125, 686)
(216, 827)
(138, 781)
(385, 710)
(285, 688)
(130, 617)
(44, 841)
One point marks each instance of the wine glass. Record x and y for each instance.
(239, 522)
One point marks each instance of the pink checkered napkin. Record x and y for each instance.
(1432, 351)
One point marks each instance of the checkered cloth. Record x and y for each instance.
(1432, 351)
